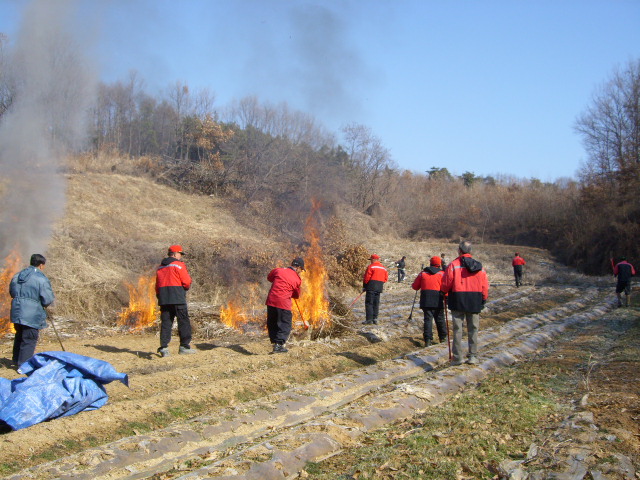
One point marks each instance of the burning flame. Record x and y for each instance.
(313, 304)
(11, 267)
(234, 316)
(142, 311)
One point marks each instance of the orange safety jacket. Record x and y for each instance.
(285, 285)
(429, 282)
(172, 282)
(518, 261)
(467, 290)
(375, 276)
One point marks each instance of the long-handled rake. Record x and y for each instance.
(57, 335)
(304, 322)
(355, 300)
(415, 296)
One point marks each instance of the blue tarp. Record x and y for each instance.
(57, 384)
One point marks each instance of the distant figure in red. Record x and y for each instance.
(518, 263)
(285, 285)
(375, 276)
(431, 300)
(624, 271)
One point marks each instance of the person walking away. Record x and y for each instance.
(467, 286)
(375, 276)
(31, 293)
(443, 265)
(518, 267)
(172, 283)
(285, 285)
(429, 282)
(623, 271)
(401, 271)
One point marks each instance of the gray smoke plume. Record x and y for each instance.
(50, 89)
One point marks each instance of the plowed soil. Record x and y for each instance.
(232, 367)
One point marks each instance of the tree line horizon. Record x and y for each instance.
(270, 158)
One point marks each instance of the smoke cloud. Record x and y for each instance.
(51, 87)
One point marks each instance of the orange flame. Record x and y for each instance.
(235, 316)
(142, 311)
(11, 267)
(313, 304)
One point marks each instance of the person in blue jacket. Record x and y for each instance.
(31, 292)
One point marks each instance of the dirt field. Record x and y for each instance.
(233, 368)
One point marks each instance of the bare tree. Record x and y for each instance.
(610, 127)
(369, 161)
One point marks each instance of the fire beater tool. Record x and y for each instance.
(57, 335)
(304, 322)
(446, 319)
(415, 296)
(355, 300)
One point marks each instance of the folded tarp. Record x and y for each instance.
(57, 384)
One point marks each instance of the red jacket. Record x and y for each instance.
(172, 282)
(429, 282)
(467, 289)
(375, 276)
(285, 286)
(518, 261)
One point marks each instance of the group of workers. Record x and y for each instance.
(462, 287)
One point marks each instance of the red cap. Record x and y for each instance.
(435, 261)
(176, 249)
(374, 257)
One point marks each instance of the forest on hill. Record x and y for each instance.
(270, 162)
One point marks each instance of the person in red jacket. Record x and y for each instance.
(172, 282)
(375, 276)
(517, 264)
(623, 271)
(285, 285)
(429, 282)
(467, 286)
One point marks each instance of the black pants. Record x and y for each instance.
(278, 324)
(401, 274)
(517, 273)
(24, 343)
(437, 315)
(371, 305)
(167, 314)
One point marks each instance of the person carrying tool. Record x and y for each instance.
(518, 266)
(285, 285)
(172, 282)
(467, 286)
(401, 272)
(429, 282)
(31, 293)
(623, 271)
(375, 276)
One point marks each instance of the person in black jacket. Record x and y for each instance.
(401, 272)
(623, 271)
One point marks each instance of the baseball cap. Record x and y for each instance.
(435, 261)
(298, 262)
(176, 249)
(374, 257)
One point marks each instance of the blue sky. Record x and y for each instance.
(491, 87)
